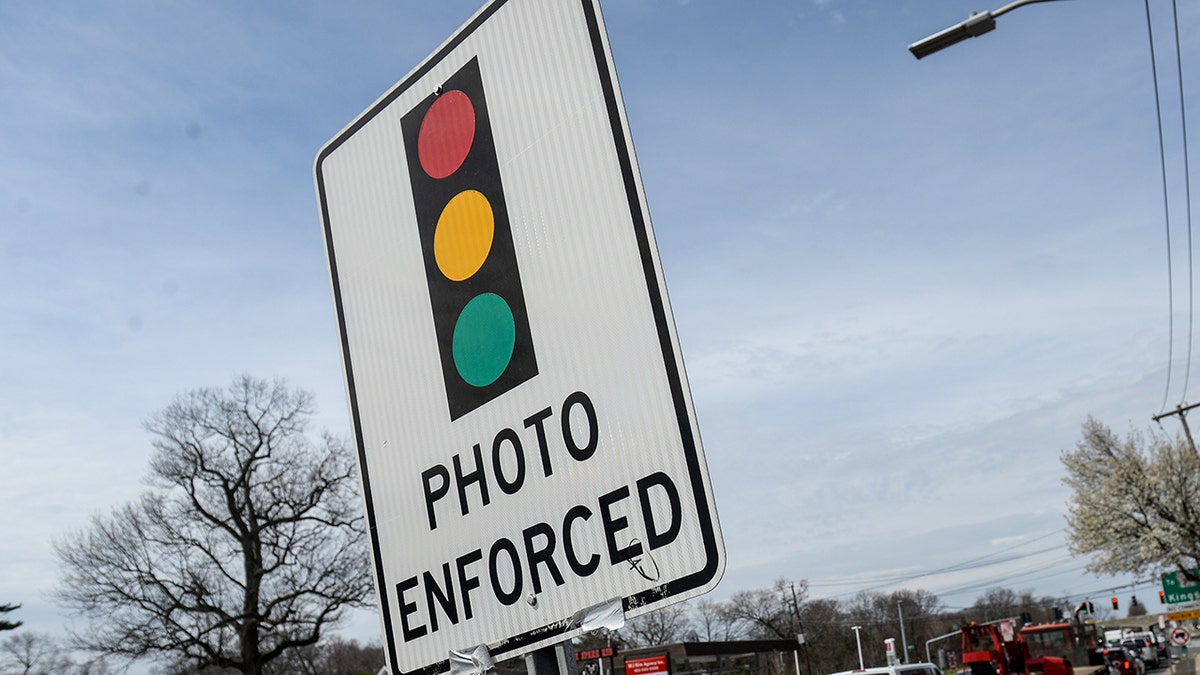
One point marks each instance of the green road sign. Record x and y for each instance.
(1178, 589)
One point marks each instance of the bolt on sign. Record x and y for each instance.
(526, 436)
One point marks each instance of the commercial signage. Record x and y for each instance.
(525, 432)
(593, 654)
(649, 665)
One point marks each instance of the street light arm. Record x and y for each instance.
(978, 24)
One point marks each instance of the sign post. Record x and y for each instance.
(528, 447)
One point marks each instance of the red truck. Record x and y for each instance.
(997, 649)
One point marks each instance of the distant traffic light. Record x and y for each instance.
(1162, 598)
(1116, 605)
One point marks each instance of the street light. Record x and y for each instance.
(859, 641)
(977, 24)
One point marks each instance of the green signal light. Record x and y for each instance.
(484, 337)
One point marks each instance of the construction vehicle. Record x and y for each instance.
(1078, 642)
(997, 649)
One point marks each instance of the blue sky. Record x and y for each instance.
(900, 286)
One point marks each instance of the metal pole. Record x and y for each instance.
(557, 659)
(903, 640)
(800, 634)
(858, 639)
(796, 655)
(940, 637)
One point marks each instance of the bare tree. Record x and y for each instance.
(827, 638)
(1135, 502)
(30, 653)
(714, 622)
(335, 656)
(662, 626)
(769, 613)
(27, 652)
(999, 603)
(248, 544)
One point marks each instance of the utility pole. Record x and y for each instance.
(1181, 410)
(903, 640)
(859, 641)
(801, 638)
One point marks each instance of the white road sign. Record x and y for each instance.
(1180, 636)
(525, 432)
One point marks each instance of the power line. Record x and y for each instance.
(1187, 185)
(962, 567)
(1162, 154)
(1187, 181)
(990, 583)
(868, 584)
(969, 564)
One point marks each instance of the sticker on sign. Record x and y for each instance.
(525, 432)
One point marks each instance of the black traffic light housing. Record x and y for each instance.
(1116, 605)
(1162, 598)
(479, 314)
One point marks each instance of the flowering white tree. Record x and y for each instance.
(1136, 502)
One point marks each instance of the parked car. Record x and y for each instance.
(1123, 662)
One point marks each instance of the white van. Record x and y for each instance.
(901, 669)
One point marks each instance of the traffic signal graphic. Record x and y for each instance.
(484, 339)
